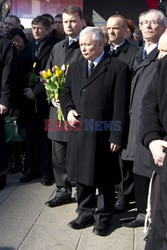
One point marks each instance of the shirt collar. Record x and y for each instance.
(97, 60)
(116, 46)
(150, 48)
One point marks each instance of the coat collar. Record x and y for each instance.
(101, 66)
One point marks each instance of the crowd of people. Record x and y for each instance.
(114, 102)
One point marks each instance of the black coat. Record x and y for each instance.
(8, 67)
(101, 97)
(126, 53)
(26, 59)
(142, 78)
(154, 126)
(61, 54)
(7, 85)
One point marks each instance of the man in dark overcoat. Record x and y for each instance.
(154, 137)
(122, 49)
(99, 104)
(64, 52)
(7, 83)
(145, 68)
(34, 107)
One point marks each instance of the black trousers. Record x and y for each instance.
(100, 207)
(59, 150)
(141, 186)
(3, 160)
(38, 147)
(126, 186)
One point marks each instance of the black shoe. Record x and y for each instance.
(138, 222)
(29, 176)
(2, 181)
(120, 206)
(46, 181)
(81, 222)
(101, 231)
(62, 197)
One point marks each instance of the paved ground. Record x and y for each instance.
(27, 224)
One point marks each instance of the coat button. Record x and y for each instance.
(83, 90)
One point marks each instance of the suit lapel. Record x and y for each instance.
(98, 70)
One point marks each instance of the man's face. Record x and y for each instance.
(162, 46)
(39, 31)
(91, 49)
(72, 24)
(9, 23)
(116, 30)
(58, 24)
(151, 27)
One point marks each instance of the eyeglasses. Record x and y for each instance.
(152, 22)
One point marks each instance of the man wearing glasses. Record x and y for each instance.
(152, 25)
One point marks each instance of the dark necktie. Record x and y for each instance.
(144, 54)
(91, 67)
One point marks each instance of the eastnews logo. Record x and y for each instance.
(89, 125)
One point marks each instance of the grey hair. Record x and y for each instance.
(97, 33)
(162, 17)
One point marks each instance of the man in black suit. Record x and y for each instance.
(34, 103)
(122, 49)
(64, 52)
(95, 96)
(7, 81)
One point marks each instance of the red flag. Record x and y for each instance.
(152, 4)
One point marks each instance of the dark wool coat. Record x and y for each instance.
(102, 97)
(26, 59)
(126, 53)
(61, 54)
(153, 127)
(7, 84)
(142, 78)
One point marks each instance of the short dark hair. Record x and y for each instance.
(16, 18)
(73, 9)
(49, 16)
(59, 16)
(43, 20)
(16, 31)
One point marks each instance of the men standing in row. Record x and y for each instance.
(153, 24)
(120, 48)
(64, 52)
(95, 96)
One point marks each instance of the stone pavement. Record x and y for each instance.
(27, 224)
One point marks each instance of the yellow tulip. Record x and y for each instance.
(59, 73)
(56, 67)
(45, 74)
(34, 65)
(49, 73)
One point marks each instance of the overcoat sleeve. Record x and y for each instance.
(7, 71)
(151, 127)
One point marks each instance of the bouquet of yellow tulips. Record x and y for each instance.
(53, 80)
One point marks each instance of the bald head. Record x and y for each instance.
(162, 46)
